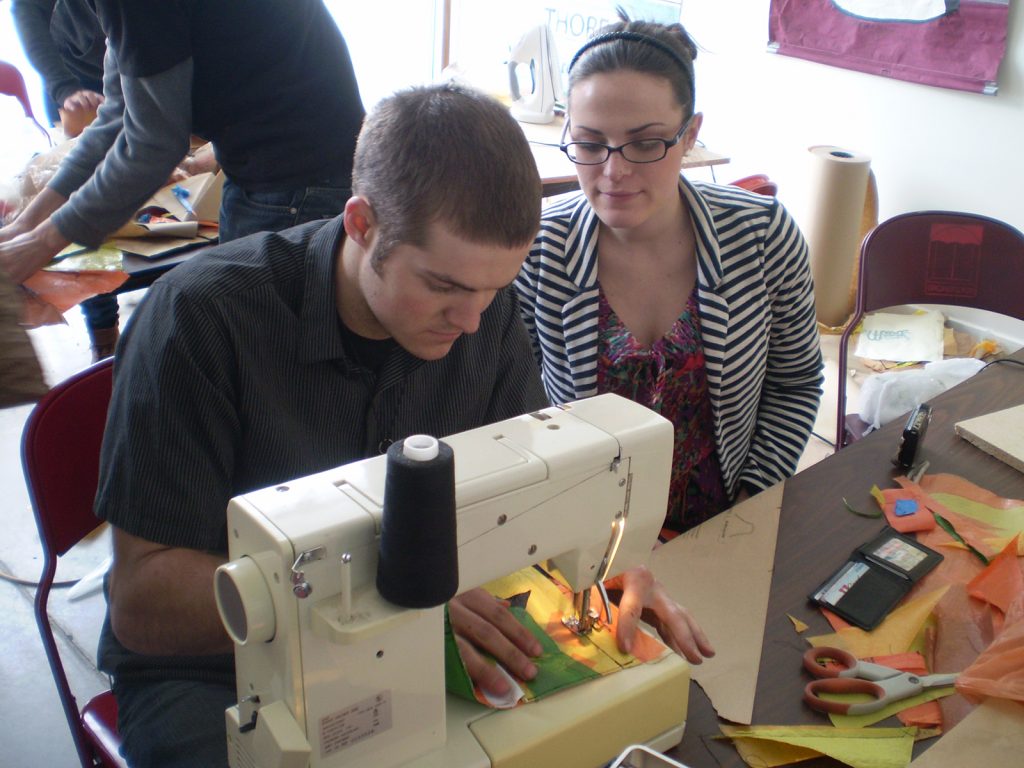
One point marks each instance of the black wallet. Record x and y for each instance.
(875, 578)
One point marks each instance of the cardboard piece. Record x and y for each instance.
(722, 572)
(1000, 434)
(992, 734)
(204, 193)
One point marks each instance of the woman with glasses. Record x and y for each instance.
(693, 299)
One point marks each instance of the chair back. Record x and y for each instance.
(60, 453)
(13, 84)
(759, 183)
(935, 257)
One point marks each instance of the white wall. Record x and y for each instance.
(931, 148)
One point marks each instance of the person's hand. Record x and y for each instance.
(202, 160)
(482, 622)
(22, 254)
(644, 597)
(83, 99)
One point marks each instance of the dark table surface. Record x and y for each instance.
(816, 532)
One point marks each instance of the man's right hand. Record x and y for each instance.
(22, 255)
(29, 242)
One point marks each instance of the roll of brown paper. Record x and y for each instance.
(838, 182)
(868, 221)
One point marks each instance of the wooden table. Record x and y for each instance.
(557, 172)
(816, 533)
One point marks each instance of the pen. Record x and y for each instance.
(182, 196)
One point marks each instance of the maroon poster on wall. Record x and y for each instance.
(947, 43)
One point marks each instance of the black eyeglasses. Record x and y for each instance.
(638, 151)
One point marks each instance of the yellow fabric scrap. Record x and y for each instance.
(863, 721)
(894, 635)
(879, 497)
(856, 747)
(1009, 520)
(798, 625)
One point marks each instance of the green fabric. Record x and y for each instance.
(555, 670)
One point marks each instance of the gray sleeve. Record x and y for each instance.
(140, 134)
(32, 19)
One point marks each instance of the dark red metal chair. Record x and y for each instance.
(13, 84)
(933, 257)
(60, 452)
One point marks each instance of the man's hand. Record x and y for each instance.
(482, 622)
(643, 596)
(83, 99)
(24, 254)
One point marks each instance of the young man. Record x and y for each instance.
(270, 84)
(286, 354)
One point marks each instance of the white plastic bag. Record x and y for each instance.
(889, 395)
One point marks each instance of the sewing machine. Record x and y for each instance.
(330, 674)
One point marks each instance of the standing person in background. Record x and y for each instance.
(693, 299)
(270, 84)
(63, 41)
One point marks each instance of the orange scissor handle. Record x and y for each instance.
(815, 661)
(814, 689)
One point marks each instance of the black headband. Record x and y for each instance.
(636, 37)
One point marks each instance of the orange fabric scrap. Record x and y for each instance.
(927, 715)
(1001, 581)
(57, 292)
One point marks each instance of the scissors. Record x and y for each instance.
(847, 674)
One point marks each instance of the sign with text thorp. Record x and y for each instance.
(947, 43)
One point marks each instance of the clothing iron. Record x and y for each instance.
(536, 50)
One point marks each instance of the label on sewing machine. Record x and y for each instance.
(360, 721)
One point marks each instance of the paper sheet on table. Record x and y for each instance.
(863, 721)
(901, 338)
(894, 635)
(857, 747)
(992, 734)
(150, 248)
(722, 572)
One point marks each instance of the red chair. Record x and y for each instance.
(759, 183)
(13, 84)
(69, 422)
(933, 257)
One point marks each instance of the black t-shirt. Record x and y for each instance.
(273, 84)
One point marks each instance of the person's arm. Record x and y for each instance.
(156, 591)
(154, 136)
(167, 473)
(793, 377)
(32, 20)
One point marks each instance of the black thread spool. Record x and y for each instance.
(418, 564)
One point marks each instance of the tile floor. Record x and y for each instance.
(33, 731)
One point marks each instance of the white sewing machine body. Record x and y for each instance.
(331, 674)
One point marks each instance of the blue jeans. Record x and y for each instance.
(100, 311)
(174, 724)
(243, 212)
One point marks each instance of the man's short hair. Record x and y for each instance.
(450, 154)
